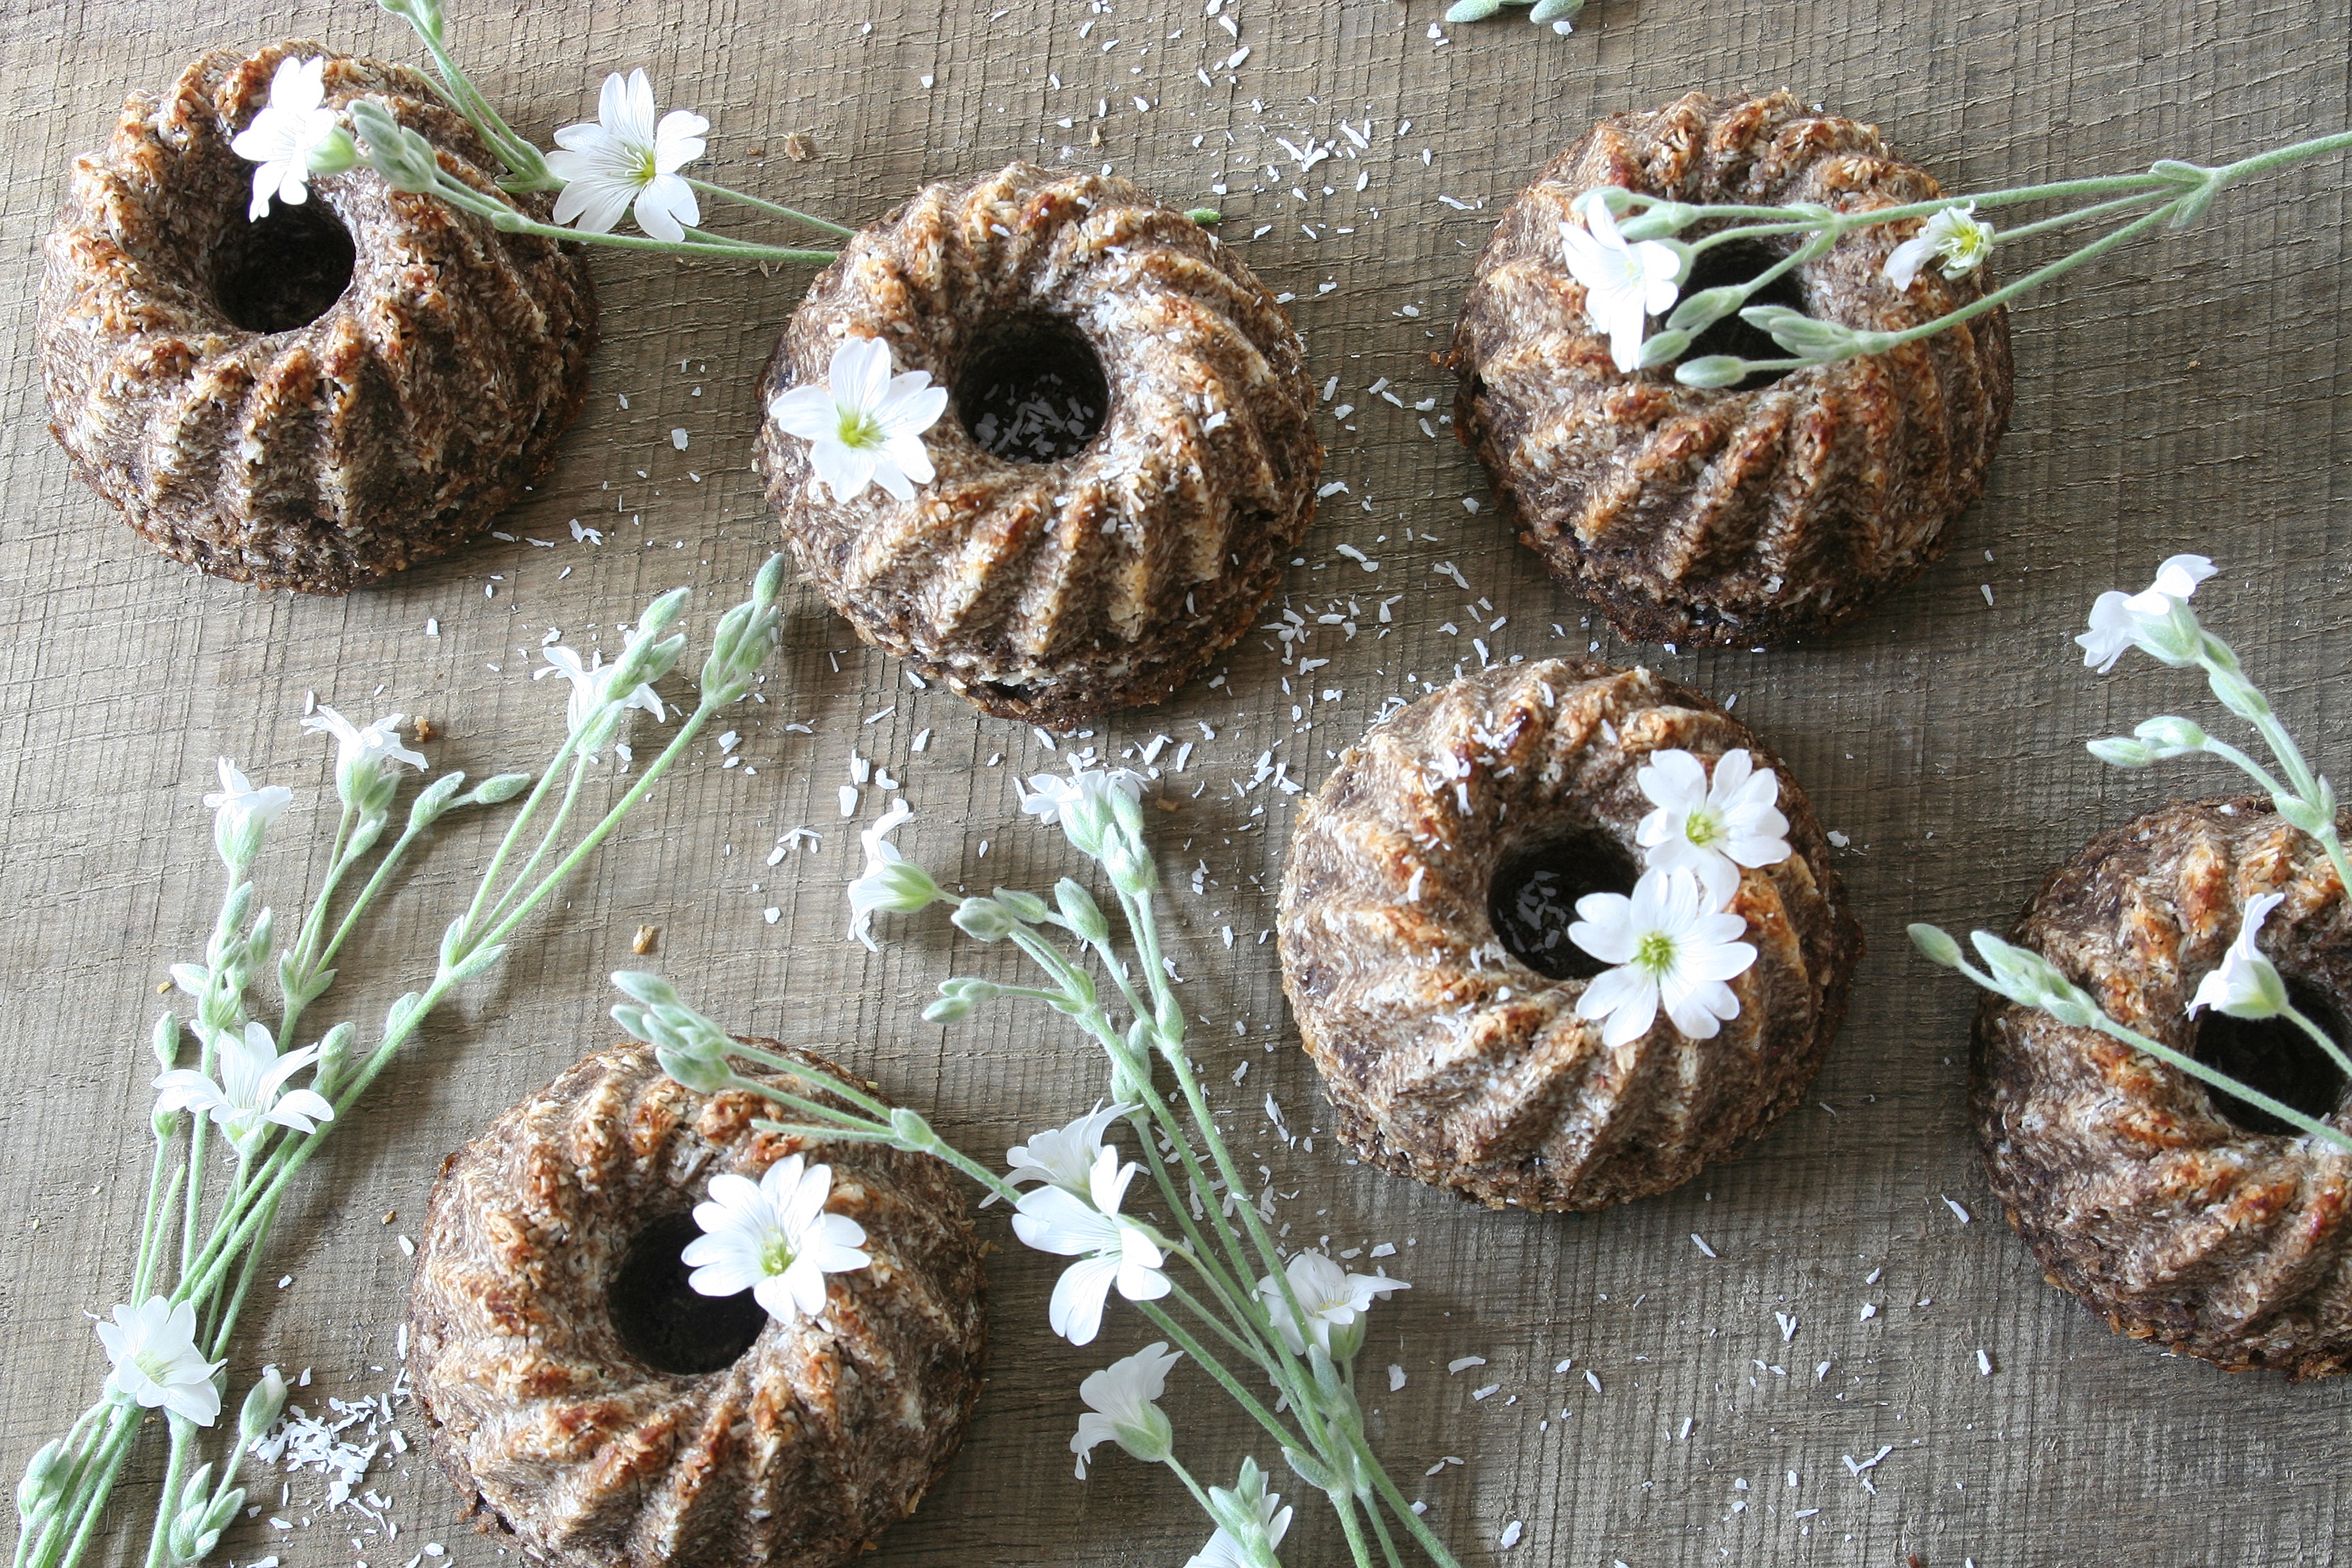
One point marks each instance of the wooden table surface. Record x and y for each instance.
(2190, 394)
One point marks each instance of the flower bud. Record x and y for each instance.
(501, 788)
(1556, 12)
(334, 1056)
(1662, 348)
(1709, 306)
(912, 1131)
(1080, 912)
(334, 154)
(405, 160)
(1472, 10)
(2121, 751)
(900, 886)
(701, 1070)
(166, 1041)
(1659, 220)
(1027, 907)
(433, 800)
(2298, 812)
(645, 986)
(984, 919)
(2170, 737)
(1309, 1469)
(262, 1406)
(1712, 373)
(1935, 944)
(258, 941)
(38, 1492)
(770, 584)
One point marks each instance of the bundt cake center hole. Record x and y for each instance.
(667, 1323)
(1737, 263)
(1032, 390)
(1533, 901)
(2277, 1057)
(283, 271)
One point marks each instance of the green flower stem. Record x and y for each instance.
(518, 824)
(2242, 697)
(510, 219)
(555, 828)
(2066, 220)
(1381, 1531)
(1224, 1330)
(2319, 1036)
(167, 1502)
(1402, 1507)
(114, 1447)
(839, 230)
(1230, 1291)
(519, 156)
(367, 895)
(151, 1224)
(1344, 1505)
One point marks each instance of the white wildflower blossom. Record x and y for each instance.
(2121, 621)
(1064, 1156)
(1333, 1300)
(1223, 1551)
(293, 136)
(889, 882)
(242, 814)
(591, 686)
(156, 1363)
(1121, 1408)
(1711, 828)
(1110, 1249)
(773, 1238)
(1668, 948)
(865, 426)
(1625, 284)
(1083, 804)
(2246, 986)
(1956, 239)
(250, 1095)
(625, 160)
(363, 752)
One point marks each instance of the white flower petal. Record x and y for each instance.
(1077, 1308)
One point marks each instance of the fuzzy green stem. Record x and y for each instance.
(838, 230)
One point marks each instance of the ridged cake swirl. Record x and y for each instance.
(1449, 1058)
(2173, 1212)
(583, 1397)
(206, 375)
(1737, 517)
(1111, 572)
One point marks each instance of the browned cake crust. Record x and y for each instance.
(1054, 592)
(384, 432)
(799, 1452)
(2135, 1191)
(1740, 518)
(1450, 1060)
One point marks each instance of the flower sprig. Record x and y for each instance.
(208, 1222)
(2160, 623)
(625, 160)
(1627, 236)
(1203, 1270)
(1559, 16)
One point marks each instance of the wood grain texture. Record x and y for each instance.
(2193, 393)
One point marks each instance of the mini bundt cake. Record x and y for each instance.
(1127, 458)
(314, 400)
(1425, 906)
(1753, 515)
(2178, 1212)
(585, 1398)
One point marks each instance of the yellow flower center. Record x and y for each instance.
(1656, 954)
(859, 431)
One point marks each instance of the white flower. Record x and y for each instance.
(1623, 284)
(2246, 986)
(2119, 621)
(1122, 1395)
(773, 1238)
(361, 754)
(292, 126)
(1331, 1296)
(1109, 1249)
(624, 158)
(156, 1362)
(251, 1095)
(1083, 804)
(237, 805)
(1711, 829)
(889, 882)
(1667, 947)
(1955, 236)
(1064, 1156)
(865, 426)
(1222, 1550)
(591, 686)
